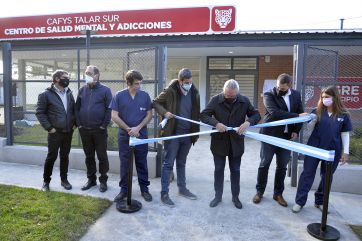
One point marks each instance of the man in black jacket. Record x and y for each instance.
(281, 102)
(228, 109)
(55, 112)
(93, 116)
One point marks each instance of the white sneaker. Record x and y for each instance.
(296, 208)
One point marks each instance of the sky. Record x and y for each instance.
(252, 15)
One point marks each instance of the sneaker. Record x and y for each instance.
(89, 184)
(146, 196)
(165, 199)
(296, 208)
(120, 197)
(103, 187)
(320, 207)
(45, 187)
(187, 194)
(66, 184)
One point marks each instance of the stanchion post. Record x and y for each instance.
(129, 205)
(321, 230)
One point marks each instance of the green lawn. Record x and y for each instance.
(30, 214)
(357, 230)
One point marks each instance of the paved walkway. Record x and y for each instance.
(195, 220)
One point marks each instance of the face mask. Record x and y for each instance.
(88, 79)
(64, 82)
(186, 87)
(328, 101)
(230, 100)
(282, 92)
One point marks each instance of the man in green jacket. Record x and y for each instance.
(180, 98)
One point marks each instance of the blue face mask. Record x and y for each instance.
(186, 87)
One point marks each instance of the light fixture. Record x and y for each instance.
(231, 52)
(267, 58)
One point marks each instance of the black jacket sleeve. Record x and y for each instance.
(207, 114)
(42, 111)
(274, 110)
(253, 114)
(107, 101)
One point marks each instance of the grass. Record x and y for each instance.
(357, 230)
(30, 214)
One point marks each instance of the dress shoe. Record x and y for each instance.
(214, 202)
(146, 196)
(89, 184)
(280, 200)
(66, 184)
(120, 197)
(45, 187)
(257, 198)
(103, 187)
(237, 203)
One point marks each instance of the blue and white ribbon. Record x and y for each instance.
(327, 155)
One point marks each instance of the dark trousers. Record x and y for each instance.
(58, 141)
(140, 157)
(234, 166)
(267, 152)
(95, 141)
(176, 149)
(307, 178)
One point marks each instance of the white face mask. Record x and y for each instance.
(328, 101)
(88, 79)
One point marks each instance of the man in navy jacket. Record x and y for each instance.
(281, 102)
(93, 116)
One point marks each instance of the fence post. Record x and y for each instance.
(6, 51)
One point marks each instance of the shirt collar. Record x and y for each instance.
(59, 91)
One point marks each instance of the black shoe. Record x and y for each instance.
(66, 184)
(45, 187)
(120, 197)
(237, 203)
(103, 187)
(187, 194)
(89, 184)
(166, 200)
(215, 202)
(147, 196)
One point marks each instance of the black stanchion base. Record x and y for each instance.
(123, 207)
(330, 233)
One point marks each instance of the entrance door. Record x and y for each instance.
(242, 69)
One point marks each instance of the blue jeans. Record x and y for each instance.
(267, 152)
(234, 166)
(176, 149)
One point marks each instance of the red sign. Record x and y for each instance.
(132, 22)
(351, 95)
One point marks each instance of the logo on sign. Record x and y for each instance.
(223, 17)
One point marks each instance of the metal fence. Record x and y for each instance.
(2, 120)
(31, 74)
(340, 66)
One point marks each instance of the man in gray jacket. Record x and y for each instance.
(55, 112)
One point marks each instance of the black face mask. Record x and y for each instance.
(230, 100)
(282, 92)
(64, 82)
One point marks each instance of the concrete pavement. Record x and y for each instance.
(195, 220)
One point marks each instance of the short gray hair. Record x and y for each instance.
(231, 84)
(184, 74)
